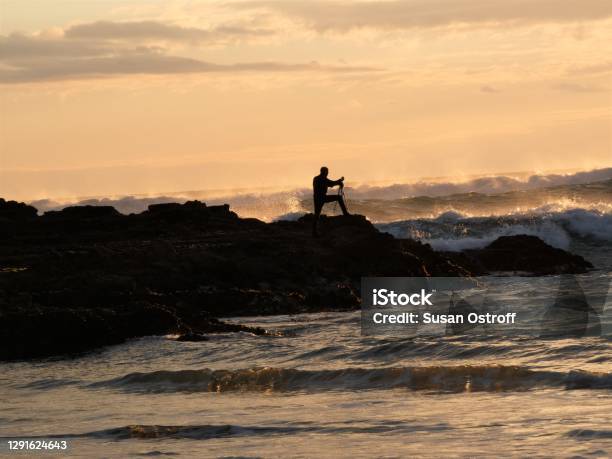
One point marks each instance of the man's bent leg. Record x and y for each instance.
(342, 205)
(318, 206)
(339, 200)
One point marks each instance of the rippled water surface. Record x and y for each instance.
(320, 389)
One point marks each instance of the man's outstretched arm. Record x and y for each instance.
(332, 183)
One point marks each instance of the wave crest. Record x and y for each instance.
(462, 378)
(479, 196)
(456, 232)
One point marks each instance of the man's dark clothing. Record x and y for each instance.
(320, 184)
(318, 205)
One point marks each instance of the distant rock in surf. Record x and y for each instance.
(519, 255)
(192, 337)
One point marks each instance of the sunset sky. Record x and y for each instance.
(108, 97)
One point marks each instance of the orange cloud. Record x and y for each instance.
(343, 15)
(91, 51)
(154, 30)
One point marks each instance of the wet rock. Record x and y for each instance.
(192, 337)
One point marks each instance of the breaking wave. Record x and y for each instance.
(453, 231)
(589, 197)
(482, 185)
(463, 378)
(215, 431)
(494, 195)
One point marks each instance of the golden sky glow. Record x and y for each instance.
(115, 97)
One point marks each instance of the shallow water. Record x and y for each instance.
(320, 390)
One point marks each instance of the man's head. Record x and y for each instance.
(324, 171)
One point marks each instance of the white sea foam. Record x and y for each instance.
(552, 235)
(587, 223)
(453, 232)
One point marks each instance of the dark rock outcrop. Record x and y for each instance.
(84, 277)
(13, 210)
(83, 212)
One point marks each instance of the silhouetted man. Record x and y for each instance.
(320, 184)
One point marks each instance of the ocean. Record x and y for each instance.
(318, 388)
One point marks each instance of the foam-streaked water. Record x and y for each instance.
(320, 389)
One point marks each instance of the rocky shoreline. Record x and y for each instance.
(84, 277)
